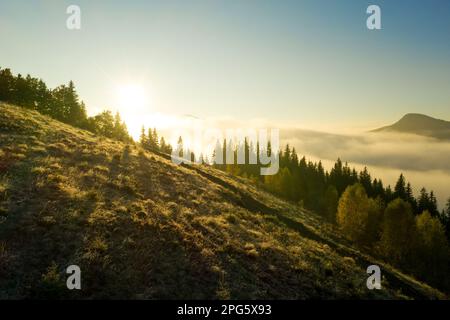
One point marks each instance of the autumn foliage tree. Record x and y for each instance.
(432, 250)
(359, 216)
(398, 232)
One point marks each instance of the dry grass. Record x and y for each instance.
(142, 227)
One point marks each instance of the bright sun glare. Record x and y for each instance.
(133, 104)
(137, 108)
(132, 97)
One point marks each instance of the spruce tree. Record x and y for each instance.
(400, 188)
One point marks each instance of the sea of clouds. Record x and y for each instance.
(424, 161)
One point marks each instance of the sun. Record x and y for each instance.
(133, 103)
(137, 106)
(132, 97)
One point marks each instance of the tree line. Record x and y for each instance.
(308, 183)
(61, 103)
(149, 141)
(408, 232)
(415, 243)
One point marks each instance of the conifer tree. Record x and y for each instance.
(155, 141)
(400, 188)
(143, 139)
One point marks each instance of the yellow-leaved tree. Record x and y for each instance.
(359, 216)
(398, 233)
(432, 251)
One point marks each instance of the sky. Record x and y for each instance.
(292, 65)
(312, 64)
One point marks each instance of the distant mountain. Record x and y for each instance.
(420, 124)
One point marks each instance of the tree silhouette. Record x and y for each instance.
(61, 103)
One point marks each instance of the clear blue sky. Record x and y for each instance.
(305, 62)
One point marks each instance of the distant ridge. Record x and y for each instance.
(420, 124)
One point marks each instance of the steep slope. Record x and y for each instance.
(140, 226)
(420, 124)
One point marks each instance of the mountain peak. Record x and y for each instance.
(420, 124)
(416, 116)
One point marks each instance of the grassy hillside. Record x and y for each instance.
(141, 227)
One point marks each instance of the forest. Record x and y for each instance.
(61, 103)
